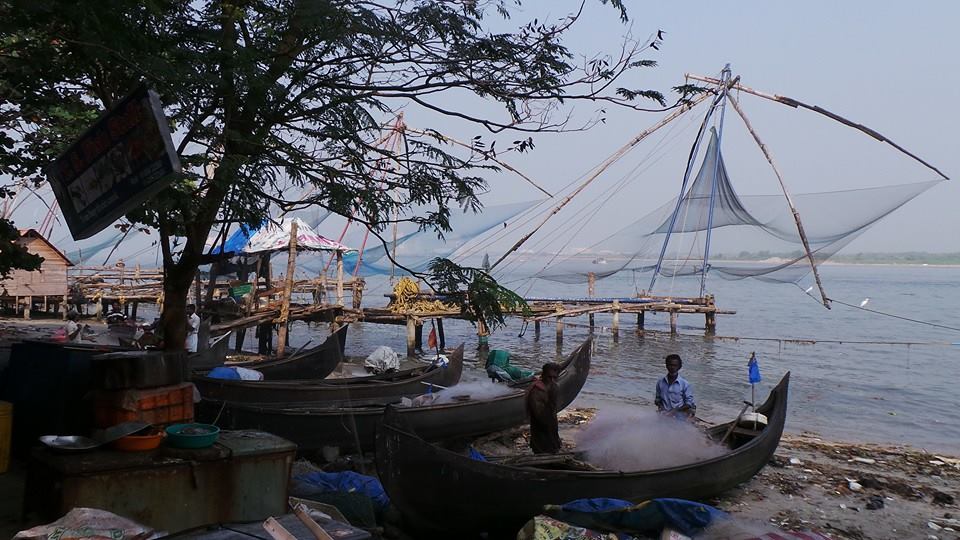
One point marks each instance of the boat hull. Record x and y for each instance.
(427, 483)
(352, 389)
(353, 425)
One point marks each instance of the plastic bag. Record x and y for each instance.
(382, 360)
(90, 523)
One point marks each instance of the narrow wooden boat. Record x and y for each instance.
(408, 383)
(313, 363)
(352, 425)
(448, 494)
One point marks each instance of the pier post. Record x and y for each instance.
(640, 319)
(616, 320)
(411, 336)
(536, 330)
(559, 331)
(133, 312)
(711, 321)
(673, 321)
(591, 288)
(441, 339)
(339, 278)
(66, 306)
(26, 308)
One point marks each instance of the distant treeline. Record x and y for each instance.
(908, 257)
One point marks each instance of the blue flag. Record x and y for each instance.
(754, 370)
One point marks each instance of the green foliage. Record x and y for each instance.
(483, 299)
(14, 256)
(271, 98)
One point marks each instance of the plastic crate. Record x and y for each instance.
(158, 406)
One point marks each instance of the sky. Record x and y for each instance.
(889, 65)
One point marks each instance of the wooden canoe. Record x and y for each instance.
(313, 363)
(352, 425)
(378, 387)
(449, 495)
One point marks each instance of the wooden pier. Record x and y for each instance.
(544, 309)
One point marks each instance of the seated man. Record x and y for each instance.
(674, 395)
(115, 315)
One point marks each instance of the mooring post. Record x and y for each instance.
(616, 320)
(26, 309)
(711, 321)
(411, 336)
(559, 331)
(66, 306)
(591, 288)
(673, 321)
(536, 330)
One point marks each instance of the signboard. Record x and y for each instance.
(125, 158)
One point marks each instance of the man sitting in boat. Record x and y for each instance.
(115, 315)
(674, 394)
(542, 409)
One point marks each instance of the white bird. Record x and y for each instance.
(810, 288)
(865, 302)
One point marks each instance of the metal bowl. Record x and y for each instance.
(69, 443)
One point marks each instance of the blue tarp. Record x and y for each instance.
(614, 515)
(349, 482)
(237, 240)
(222, 372)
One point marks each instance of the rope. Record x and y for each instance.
(885, 314)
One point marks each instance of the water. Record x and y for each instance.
(840, 389)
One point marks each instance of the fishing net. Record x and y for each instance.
(678, 229)
(414, 248)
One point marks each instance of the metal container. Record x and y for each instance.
(139, 369)
(241, 478)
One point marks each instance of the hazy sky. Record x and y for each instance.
(890, 65)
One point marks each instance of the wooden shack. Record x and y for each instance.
(45, 287)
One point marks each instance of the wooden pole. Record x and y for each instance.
(616, 320)
(603, 167)
(786, 194)
(265, 330)
(591, 287)
(411, 336)
(711, 321)
(536, 330)
(640, 320)
(288, 290)
(673, 321)
(339, 278)
(790, 102)
(66, 306)
(26, 309)
(559, 331)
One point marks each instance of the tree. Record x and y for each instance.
(281, 95)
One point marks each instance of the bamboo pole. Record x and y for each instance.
(339, 278)
(603, 167)
(786, 194)
(790, 102)
(287, 291)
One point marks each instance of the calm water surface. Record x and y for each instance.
(842, 386)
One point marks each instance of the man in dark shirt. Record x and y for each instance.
(542, 409)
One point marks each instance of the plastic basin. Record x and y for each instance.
(139, 443)
(192, 435)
